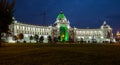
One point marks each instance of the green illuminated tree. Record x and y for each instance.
(6, 14)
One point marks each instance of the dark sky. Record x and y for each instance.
(80, 13)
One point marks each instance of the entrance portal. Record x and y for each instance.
(64, 36)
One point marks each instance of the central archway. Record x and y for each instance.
(64, 35)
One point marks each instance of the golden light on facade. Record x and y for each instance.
(118, 34)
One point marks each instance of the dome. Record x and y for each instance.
(61, 16)
(105, 26)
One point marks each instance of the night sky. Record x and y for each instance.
(80, 13)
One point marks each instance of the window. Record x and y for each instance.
(28, 28)
(17, 27)
(23, 28)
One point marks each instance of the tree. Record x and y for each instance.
(31, 38)
(41, 39)
(20, 36)
(58, 38)
(49, 39)
(15, 37)
(55, 39)
(81, 40)
(71, 39)
(6, 14)
(36, 37)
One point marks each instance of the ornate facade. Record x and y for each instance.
(62, 30)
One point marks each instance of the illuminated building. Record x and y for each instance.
(62, 30)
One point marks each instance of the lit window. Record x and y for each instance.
(28, 28)
(23, 28)
(101, 37)
(17, 27)
(90, 37)
(78, 37)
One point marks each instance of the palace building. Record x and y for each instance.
(62, 30)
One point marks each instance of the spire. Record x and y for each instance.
(61, 11)
(104, 23)
(105, 26)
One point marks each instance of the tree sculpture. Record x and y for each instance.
(6, 14)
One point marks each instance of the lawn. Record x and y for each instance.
(60, 54)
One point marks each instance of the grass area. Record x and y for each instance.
(60, 54)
